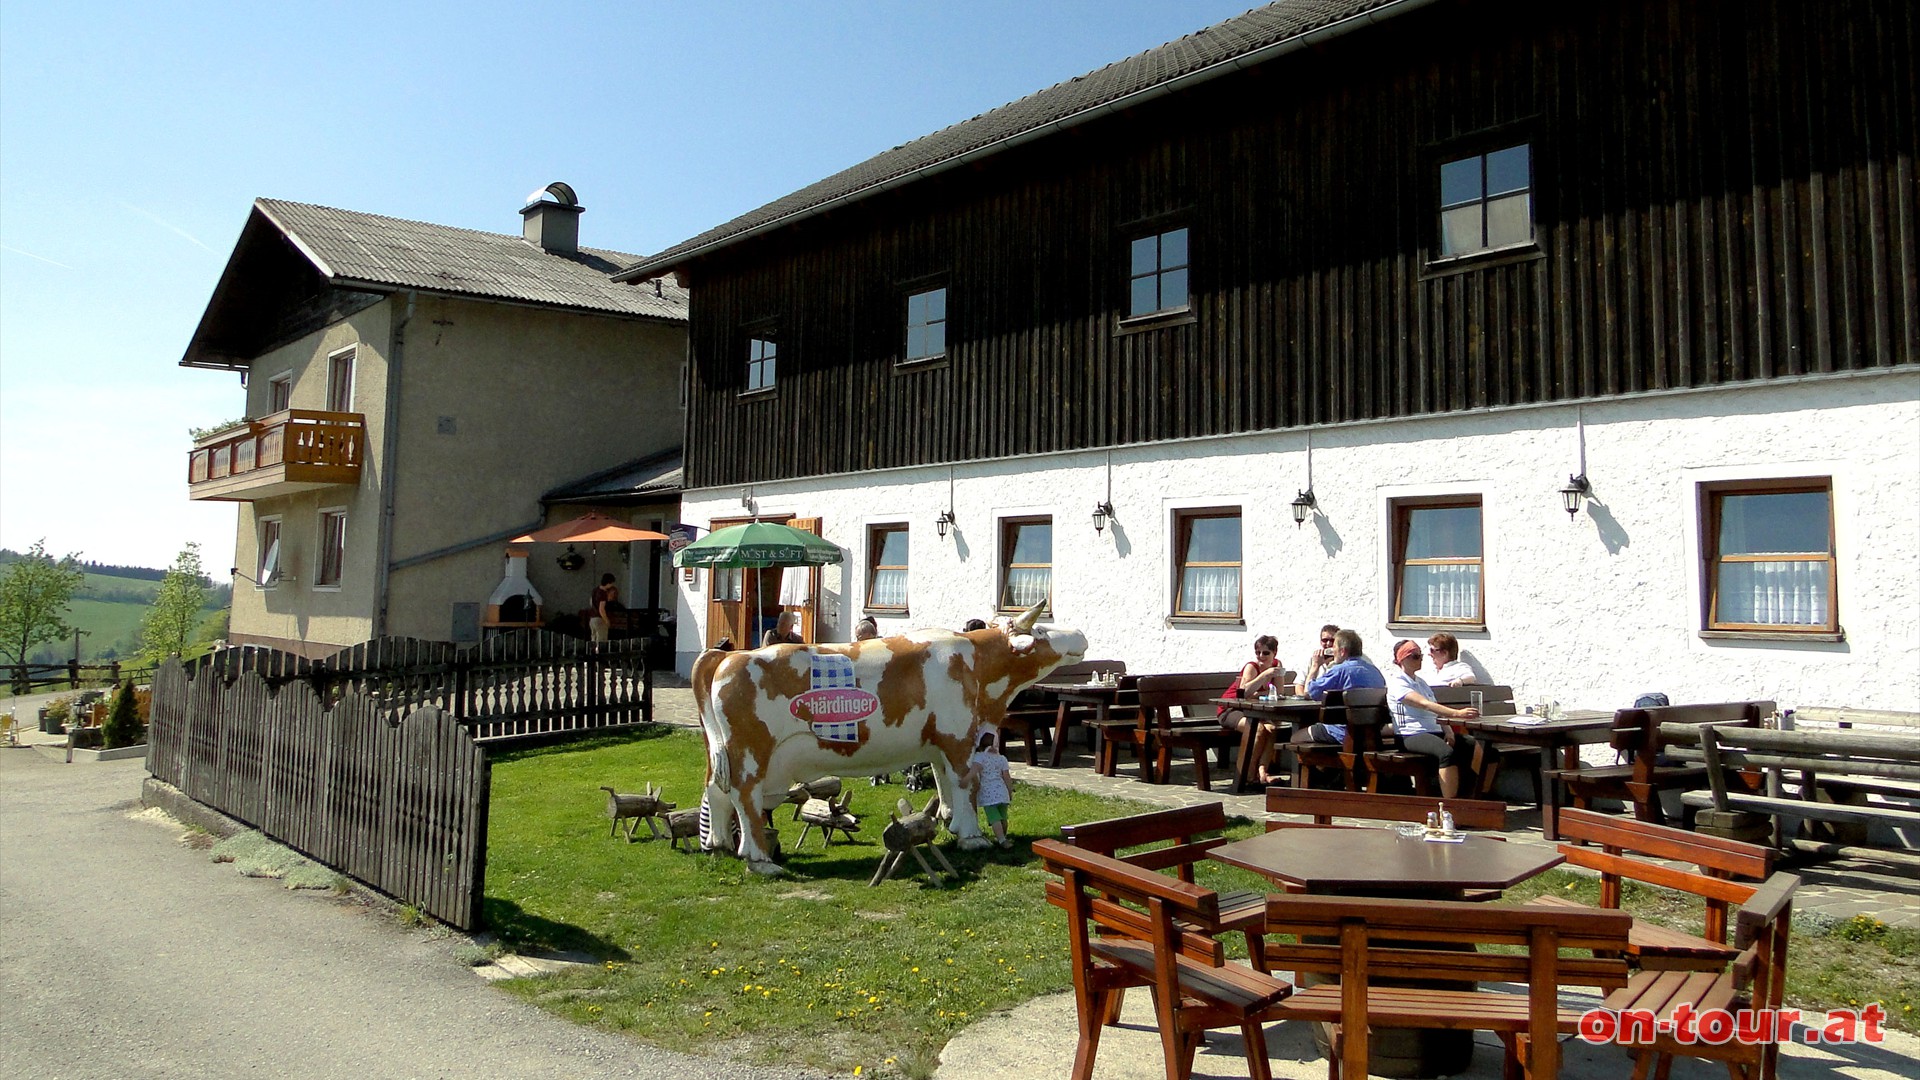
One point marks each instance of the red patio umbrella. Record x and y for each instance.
(589, 528)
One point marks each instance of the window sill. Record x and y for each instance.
(1158, 320)
(886, 612)
(1016, 612)
(1481, 260)
(326, 588)
(759, 392)
(1822, 636)
(1436, 625)
(924, 363)
(1208, 622)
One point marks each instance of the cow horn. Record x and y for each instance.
(1024, 624)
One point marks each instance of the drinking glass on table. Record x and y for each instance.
(1477, 699)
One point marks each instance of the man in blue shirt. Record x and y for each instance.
(1350, 671)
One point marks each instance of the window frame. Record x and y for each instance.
(1400, 522)
(322, 550)
(1008, 539)
(1710, 494)
(768, 337)
(336, 361)
(1480, 143)
(274, 546)
(284, 379)
(1183, 520)
(1157, 229)
(908, 293)
(876, 544)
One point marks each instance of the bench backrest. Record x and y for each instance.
(1184, 826)
(1363, 712)
(1324, 806)
(1637, 731)
(1162, 694)
(1100, 891)
(1894, 757)
(1360, 939)
(1624, 846)
(1495, 699)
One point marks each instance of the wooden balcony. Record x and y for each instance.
(291, 451)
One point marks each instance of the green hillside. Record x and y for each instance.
(108, 609)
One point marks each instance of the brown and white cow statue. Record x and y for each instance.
(784, 714)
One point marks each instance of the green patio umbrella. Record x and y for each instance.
(756, 545)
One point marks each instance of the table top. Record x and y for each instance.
(1277, 705)
(1381, 862)
(1522, 725)
(1090, 689)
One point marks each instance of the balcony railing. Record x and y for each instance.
(293, 450)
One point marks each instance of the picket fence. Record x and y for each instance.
(374, 761)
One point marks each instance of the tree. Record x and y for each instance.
(175, 612)
(34, 596)
(123, 726)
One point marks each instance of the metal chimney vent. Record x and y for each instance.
(554, 223)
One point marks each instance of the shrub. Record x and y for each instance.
(123, 722)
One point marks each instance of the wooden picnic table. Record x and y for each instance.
(1380, 862)
(1559, 742)
(1096, 697)
(1294, 712)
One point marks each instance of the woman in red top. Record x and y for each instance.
(1259, 674)
(606, 597)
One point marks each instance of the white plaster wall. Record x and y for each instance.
(1591, 611)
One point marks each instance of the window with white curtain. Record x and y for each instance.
(1207, 545)
(1437, 561)
(887, 568)
(1026, 563)
(1770, 556)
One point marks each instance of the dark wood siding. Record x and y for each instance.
(1723, 192)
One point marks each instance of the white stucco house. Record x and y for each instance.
(1425, 275)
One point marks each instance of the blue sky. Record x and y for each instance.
(134, 137)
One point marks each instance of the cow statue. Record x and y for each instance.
(786, 714)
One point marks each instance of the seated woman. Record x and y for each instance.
(1444, 666)
(1259, 674)
(784, 632)
(1416, 718)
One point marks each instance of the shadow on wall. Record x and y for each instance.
(1330, 540)
(1608, 526)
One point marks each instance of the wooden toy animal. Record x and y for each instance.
(633, 809)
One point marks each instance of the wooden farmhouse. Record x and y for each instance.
(1587, 333)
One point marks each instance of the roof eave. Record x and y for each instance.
(655, 267)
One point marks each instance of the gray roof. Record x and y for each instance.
(1244, 39)
(368, 251)
(642, 479)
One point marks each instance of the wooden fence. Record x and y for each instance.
(373, 761)
(25, 678)
(524, 684)
(400, 806)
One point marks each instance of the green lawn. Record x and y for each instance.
(816, 968)
(813, 967)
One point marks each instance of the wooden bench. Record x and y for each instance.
(1368, 943)
(1850, 761)
(1636, 733)
(1161, 696)
(1493, 757)
(1033, 713)
(1324, 806)
(1623, 851)
(1364, 713)
(1755, 980)
(1125, 928)
(1189, 833)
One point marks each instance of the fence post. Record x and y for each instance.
(113, 670)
